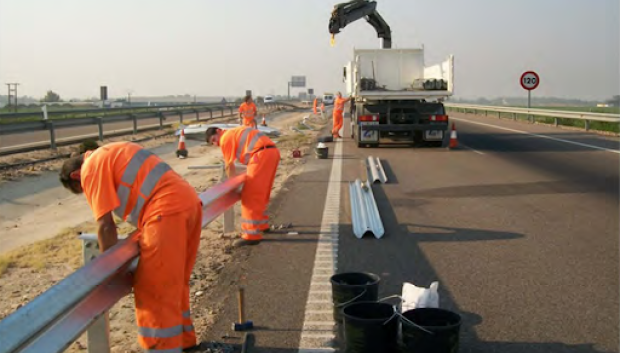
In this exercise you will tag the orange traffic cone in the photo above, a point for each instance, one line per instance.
(181, 150)
(264, 122)
(453, 139)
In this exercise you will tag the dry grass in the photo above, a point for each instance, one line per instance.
(65, 248)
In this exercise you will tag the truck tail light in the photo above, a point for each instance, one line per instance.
(439, 118)
(368, 118)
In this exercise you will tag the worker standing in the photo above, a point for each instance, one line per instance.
(137, 186)
(254, 149)
(338, 114)
(314, 106)
(247, 112)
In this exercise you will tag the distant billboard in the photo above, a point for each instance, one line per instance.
(310, 91)
(103, 93)
(298, 81)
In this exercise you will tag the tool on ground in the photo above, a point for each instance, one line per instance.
(453, 139)
(181, 149)
(242, 325)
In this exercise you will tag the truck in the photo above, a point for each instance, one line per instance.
(395, 96)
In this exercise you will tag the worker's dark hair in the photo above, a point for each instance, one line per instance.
(210, 132)
(247, 98)
(69, 166)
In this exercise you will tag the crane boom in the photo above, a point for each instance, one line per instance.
(351, 11)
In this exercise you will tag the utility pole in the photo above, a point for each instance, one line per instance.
(13, 93)
(289, 90)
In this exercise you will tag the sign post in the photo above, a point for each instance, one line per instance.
(529, 81)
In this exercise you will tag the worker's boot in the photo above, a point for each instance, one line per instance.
(244, 242)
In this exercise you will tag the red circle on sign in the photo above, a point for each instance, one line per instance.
(529, 80)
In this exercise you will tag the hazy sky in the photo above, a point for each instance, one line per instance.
(224, 47)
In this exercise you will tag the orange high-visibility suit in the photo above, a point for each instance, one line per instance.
(138, 186)
(248, 113)
(260, 154)
(314, 106)
(337, 115)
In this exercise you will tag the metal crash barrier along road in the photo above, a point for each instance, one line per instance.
(57, 317)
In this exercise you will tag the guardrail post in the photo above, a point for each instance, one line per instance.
(181, 117)
(210, 113)
(587, 125)
(161, 120)
(100, 126)
(50, 124)
(197, 115)
(98, 334)
(223, 112)
(135, 124)
(229, 214)
(555, 122)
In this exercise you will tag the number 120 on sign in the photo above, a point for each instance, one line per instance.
(529, 80)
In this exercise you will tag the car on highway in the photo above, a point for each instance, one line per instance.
(268, 99)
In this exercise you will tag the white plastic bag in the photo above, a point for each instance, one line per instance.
(419, 297)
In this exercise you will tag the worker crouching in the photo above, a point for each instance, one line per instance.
(254, 149)
(137, 186)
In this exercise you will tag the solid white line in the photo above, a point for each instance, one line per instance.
(541, 136)
(469, 148)
(329, 227)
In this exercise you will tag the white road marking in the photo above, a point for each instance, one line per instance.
(469, 148)
(541, 136)
(326, 253)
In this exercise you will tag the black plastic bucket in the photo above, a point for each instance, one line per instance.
(321, 153)
(441, 335)
(370, 327)
(353, 287)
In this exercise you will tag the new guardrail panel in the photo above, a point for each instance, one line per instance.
(54, 319)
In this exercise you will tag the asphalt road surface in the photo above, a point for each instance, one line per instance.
(519, 226)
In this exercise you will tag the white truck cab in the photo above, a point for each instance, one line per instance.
(328, 99)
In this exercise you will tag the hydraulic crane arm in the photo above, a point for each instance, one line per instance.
(351, 11)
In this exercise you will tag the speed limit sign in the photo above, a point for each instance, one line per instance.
(529, 80)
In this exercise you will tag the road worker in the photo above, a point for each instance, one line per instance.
(254, 149)
(314, 106)
(247, 112)
(337, 115)
(137, 186)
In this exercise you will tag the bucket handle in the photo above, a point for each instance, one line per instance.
(396, 313)
(352, 300)
(390, 297)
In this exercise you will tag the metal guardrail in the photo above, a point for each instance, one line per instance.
(56, 318)
(364, 211)
(531, 113)
(52, 125)
(105, 111)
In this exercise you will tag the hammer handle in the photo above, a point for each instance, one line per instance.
(241, 301)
